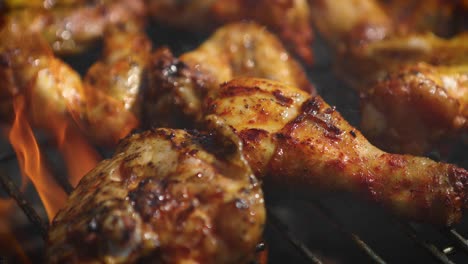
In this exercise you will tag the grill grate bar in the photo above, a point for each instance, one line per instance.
(327, 215)
(460, 241)
(13, 192)
(282, 228)
(431, 248)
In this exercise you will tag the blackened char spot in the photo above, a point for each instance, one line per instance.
(148, 197)
(311, 109)
(282, 100)
(312, 105)
(216, 144)
(252, 135)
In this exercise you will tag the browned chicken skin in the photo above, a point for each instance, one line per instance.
(167, 196)
(28, 67)
(279, 123)
(289, 18)
(113, 84)
(417, 107)
(105, 105)
(404, 73)
(239, 49)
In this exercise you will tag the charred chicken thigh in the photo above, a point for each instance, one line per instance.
(290, 19)
(166, 196)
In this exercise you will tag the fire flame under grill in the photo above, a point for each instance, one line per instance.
(305, 239)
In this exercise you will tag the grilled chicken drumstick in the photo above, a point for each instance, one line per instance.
(239, 49)
(298, 139)
(166, 196)
(289, 18)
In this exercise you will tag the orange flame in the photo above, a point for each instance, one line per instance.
(27, 150)
(79, 156)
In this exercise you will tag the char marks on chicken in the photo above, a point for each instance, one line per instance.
(166, 196)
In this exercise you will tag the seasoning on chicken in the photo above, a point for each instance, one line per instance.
(72, 29)
(299, 140)
(239, 49)
(289, 18)
(166, 196)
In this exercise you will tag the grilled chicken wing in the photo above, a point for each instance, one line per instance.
(289, 18)
(167, 196)
(72, 29)
(378, 59)
(104, 105)
(413, 84)
(240, 49)
(417, 107)
(298, 139)
(416, 86)
(28, 67)
(112, 85)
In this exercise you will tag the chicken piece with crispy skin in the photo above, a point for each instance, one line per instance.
(72, 29)
(297, 139)
(416, 108)
(413, 82)
(166, 196)
(415, 91)
(52, 89)
(289, 18)
(105, 105)
(374, 61)
(113, 84)
(239, 49)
